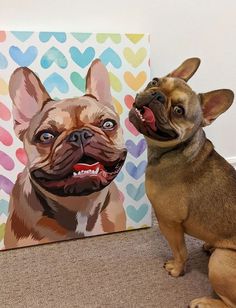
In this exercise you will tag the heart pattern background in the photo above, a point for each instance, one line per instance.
(61, 61)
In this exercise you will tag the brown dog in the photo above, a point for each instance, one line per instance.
(75, 149)
(191, 187)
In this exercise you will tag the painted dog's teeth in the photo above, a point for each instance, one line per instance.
(89, 171)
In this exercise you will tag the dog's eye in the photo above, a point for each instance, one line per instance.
(179, 110)
(108, 124)
(45, 137)
(154, 82)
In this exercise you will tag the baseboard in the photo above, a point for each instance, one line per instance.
(232, 161)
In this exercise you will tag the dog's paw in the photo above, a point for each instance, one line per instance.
(174, 268)
(206, 302)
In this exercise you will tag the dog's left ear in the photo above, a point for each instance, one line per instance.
(186, 70)
(98, 83)
(214, 103)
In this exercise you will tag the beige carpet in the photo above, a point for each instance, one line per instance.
(118, 270)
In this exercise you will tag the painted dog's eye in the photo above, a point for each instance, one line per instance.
(179, 110)
(109, 124)
(45, 137)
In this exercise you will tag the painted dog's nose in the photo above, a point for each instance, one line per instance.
(80, 137)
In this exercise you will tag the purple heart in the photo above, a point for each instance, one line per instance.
(136, 171)
(5, 184)
(136, 150)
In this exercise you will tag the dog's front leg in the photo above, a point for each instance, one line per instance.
(174, 234)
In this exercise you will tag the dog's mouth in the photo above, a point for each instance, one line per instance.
(150, 124)
(85, 177)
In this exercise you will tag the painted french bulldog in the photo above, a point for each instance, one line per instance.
(191, 187)
(75, 150)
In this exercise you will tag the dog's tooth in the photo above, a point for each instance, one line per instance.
(74, 173)
(96, 171)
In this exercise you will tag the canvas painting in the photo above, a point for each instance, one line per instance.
(71, 163)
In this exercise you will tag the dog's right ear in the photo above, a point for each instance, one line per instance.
(28, 96)
(186, 70)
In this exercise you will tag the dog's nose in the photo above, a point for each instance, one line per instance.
(144, 99)
(80, 137)
(160, 97)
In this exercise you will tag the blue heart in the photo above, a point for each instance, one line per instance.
(136, 193)
(56, 81)
(53, 55)
(23, 58)
(3, 207)
(22, 35)
(136, 150)
(136, 171)
(137, 214)
(81, 37)
(120, 177)
(59, 36)
(3, 61)
(110, 56)
(82, 59)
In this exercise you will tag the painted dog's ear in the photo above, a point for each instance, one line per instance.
(28, 96)
(98, 83)
(214, 103)
(187, 69)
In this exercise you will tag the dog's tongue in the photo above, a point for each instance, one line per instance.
(149, 117)
(85, 167)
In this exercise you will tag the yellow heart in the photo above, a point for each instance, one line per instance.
(130, 228)
(135, 58)
(2, 231)
(3, 87)
(133, 82)
(118, 107)
(115, 82)
(135, 38)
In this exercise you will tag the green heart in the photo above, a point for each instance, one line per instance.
(2, 231)
(115, 82)
(102, 37)
(81, 37)
(78, 81)
(134, 38)
(135, 58)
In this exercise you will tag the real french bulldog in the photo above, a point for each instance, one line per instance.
(191, 187)
(75, 149)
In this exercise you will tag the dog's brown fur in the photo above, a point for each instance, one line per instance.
(48, 203)
(191, 187)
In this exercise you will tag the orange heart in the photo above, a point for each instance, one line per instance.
(2, 36)
(133, 82)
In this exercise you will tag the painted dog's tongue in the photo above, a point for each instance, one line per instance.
(149, 117)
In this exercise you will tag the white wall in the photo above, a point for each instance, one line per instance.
(178, 28)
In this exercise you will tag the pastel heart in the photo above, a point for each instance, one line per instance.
(22, 35)
(5, 113)
(2, 231)
(56, 81)
(81, 37)
(133, 82)
(4, 207)
(137, 214)
(102, 37)
(134, 38)
(23, 58)
(78, 81)
(120, 177)
(115, 82)
(5, 184)
(6, 161)
(59, 36)
(3, 87)
(3, 61)
(136, 193)
(82, 58)
(21, 156)
(110, 56)
(136, 150)
(118, 106)
(122, 197)
(135, 58)
(129, 100)
(136, 171)
(5, 137)
(53, 55)
(2, 36)
(130, 127)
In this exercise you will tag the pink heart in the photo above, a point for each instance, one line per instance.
(6, 161)
(21, 156)
(130, 127)
(5, 113)
(129, 100)
(5, 137)
(122, 197)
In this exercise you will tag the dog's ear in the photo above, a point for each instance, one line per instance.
(214, 103)
(98, 84)
(186, 70)
(28, 96)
